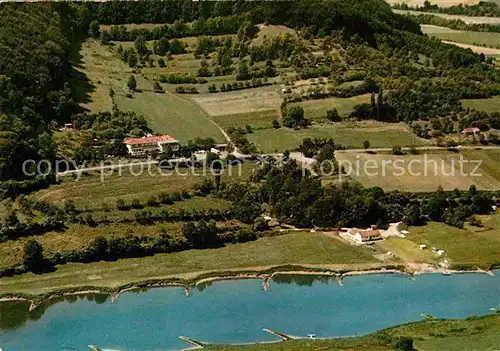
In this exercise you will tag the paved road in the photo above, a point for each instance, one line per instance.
(298, 156)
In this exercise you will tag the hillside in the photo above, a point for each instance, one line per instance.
(253, 86)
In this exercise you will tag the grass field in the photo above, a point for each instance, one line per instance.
(238, 102)
(171, 114)
(297, 248)
(407, 250)
(413, 173)
(469, 334)
(487, 105)
(92, 190)
(487, 39)
(350, 135)
(479, 247)
(466, 19)
(261, 119)
(316, 109)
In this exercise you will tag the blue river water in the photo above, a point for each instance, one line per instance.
(236, 311)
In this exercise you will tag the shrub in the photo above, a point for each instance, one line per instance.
(136, 204)
(157, 87)
(396, 150)
(152, 201)
(132, 83)
(120, 205)
(333, 115)
(165, 199)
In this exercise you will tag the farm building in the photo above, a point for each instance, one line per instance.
(363, 235)
(468, 131)
(150, 144)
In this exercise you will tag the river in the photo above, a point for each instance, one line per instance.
(236, 311)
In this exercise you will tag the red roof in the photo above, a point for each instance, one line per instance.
(369, 233)
(471, 130)
(151, 139)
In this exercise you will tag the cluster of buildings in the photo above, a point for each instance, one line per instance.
(361, 235)
(137, 147)
(157, 144)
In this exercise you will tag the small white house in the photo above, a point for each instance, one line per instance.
(150, 144)
(363, 235)
(200, 155)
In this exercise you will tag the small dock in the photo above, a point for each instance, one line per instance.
(196, 343)
(427, 316)
(282, 336)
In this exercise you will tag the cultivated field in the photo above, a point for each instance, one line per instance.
(487, 105)
(466, 19)
(261, 119)
(316, 109)
(92, 191)
(239, 102)
(297, 248)
(487, 39)
(441, 168)
(476, 49)
(350, 135)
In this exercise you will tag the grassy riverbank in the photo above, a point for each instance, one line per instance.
(480, 333)
(305, 249)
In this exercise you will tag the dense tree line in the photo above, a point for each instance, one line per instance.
(364, 17)
(178, 29)
(298, 198)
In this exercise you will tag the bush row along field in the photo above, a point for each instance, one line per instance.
(316, 109)
(93, 190)
(99, 196)
(297, 248)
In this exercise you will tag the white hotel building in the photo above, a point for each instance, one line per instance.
(151, 144)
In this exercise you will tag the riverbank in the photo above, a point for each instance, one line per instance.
(295, 306)
(265, 274)
(475, 333)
